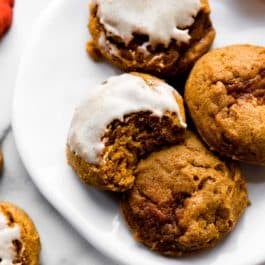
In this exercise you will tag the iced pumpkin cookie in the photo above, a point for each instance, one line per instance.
(130, 116)
(184, 199)
(225, 94)
(19, 240)
(164, 38)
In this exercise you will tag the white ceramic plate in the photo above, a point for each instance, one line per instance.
(55, 75)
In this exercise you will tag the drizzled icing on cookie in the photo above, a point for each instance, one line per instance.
(162, 21)
(7, 235)
(115, 98)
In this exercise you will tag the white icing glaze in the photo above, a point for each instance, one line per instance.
(7, 236)
(118, 96)
(160, 20)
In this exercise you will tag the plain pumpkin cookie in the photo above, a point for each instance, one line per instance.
(128, 117)
(225, 94)
(184, 199)
(19, 239)
(162, 38)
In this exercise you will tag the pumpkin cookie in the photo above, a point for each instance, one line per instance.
(184, 199)
(130, 116)
(161, 38)
(19, 240)
(225, 94)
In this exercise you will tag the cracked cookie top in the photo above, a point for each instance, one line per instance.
(225, 94)
(184, 198)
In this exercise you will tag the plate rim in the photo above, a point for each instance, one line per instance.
(53, 199)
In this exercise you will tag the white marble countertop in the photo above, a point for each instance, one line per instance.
(60, 243)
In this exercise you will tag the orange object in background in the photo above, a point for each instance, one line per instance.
(6, 14)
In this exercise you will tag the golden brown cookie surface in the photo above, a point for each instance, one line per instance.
(21, 244)
(128, 139)
(184, 199)
(159, 60)
(225, 94)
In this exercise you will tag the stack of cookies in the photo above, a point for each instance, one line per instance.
(182, 190)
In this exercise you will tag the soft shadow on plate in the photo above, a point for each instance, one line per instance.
(104, 199)
(107, 202)
(254, 174)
